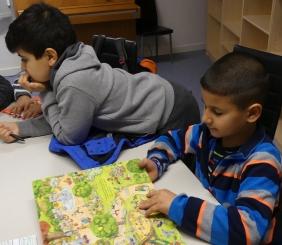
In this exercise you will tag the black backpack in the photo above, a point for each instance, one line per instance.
(117, 52)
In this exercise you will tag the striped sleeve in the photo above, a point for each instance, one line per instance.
(19, 91)
(6, 93)
(249, 219)
(167, 149)
(170, 147)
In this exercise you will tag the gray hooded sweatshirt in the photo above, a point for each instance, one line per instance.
(85, 93)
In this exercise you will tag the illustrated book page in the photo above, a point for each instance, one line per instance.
(100, 206)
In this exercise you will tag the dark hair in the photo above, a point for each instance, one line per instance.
(40, 26)
(240, 76)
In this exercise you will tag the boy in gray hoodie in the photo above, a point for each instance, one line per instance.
(78, 92)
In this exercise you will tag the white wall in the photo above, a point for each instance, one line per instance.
(186, 17)
(188, 20)
(9, 63)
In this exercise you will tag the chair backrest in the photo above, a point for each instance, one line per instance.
(149, 17)
(272, 106)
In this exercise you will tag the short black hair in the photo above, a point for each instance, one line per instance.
(240, 76)
(40, 26)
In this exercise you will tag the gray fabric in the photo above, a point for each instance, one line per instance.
(185, 110)
(86, 93)
(34, 127)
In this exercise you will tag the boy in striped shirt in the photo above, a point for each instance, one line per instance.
(235, 160)
(23, 105)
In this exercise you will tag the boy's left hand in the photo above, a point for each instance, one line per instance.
(20, 105)
(25, 108)
(158, 201)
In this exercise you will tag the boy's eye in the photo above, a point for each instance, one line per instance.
(217, 113)
(23, 60)
(213, 110)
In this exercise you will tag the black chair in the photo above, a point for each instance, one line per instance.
(147, 25)
(272, 108)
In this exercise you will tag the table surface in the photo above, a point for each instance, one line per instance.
(23, 163)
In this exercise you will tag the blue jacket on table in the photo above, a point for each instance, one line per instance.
(246, 183)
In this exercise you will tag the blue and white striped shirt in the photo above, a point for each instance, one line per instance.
(245, 182)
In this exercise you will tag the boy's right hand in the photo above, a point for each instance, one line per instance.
(32, 85)
(150, 167)
(6, 128)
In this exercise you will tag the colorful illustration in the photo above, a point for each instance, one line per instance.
(100, 206)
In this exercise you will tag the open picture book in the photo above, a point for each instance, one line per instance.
(100, 206)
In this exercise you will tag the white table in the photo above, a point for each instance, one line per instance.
(23, 163)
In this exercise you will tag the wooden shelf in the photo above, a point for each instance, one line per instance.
(258, 7)
(214, 9)
(234, 27)
(278, 52)
(252, 23)
(262, 22)
(275, 39)
(228, 39)
(215, 19)
(253, 37)
(213, 38)
(228, 46)
(232, 15)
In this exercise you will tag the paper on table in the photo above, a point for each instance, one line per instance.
(27, 240)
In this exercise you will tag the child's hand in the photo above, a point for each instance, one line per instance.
(33, 86)
(6, 128)
(25, 108)
(33, 110)
(158, 201)
(20, 105)
(150, 167)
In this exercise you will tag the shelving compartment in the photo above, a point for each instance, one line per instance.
(258, 14)
(214, 9)
(232, 16)
(213, 38)
(253, 37)
(228, 40)
(275, 39)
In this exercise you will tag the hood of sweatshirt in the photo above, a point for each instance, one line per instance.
(76, 57)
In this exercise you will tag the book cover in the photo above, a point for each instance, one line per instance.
(100, 206)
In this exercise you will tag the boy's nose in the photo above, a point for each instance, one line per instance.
(206, 118)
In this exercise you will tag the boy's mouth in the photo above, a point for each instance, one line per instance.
(29, 78)
(212, 129)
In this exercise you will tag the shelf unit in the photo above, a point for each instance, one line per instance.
(252, 23)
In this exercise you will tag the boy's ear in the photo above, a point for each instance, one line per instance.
(254, 112)
(52, 56)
